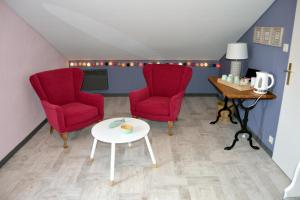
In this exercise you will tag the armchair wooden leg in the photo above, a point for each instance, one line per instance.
(170, 127)
(51, 129)
(135, 117)
(64, 136)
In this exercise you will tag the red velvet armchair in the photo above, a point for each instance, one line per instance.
(66, 107)
(161, 99)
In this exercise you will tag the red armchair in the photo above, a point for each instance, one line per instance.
(66, 107)
(161, 99)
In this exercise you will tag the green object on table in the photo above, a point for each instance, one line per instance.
(116, 123)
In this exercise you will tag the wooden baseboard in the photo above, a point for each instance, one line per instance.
(22, 143)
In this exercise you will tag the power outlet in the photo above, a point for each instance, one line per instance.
(285, 48)
(271, 139)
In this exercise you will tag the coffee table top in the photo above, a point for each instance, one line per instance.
(102, 132)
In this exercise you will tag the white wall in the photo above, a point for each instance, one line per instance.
(22, 53)
(141, 29)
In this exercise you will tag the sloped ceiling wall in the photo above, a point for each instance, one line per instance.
(141, 29)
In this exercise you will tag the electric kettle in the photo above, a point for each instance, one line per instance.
(262, 85)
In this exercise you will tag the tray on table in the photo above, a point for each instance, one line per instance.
(235, 86)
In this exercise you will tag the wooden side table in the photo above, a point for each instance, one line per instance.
(238, 97)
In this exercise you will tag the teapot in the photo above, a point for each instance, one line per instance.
(262, 85)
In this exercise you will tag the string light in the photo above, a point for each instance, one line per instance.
(141, 64)
(133, 63)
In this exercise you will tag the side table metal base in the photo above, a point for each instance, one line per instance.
(225, 108)
(244, 124)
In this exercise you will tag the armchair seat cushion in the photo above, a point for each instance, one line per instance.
(77, 112)
(154, 105)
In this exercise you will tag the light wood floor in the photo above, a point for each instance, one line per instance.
(192, 163)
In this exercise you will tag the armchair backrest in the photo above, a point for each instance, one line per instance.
(166, 79)
(59, 86)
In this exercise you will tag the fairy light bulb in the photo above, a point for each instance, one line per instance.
(71, 64)
(205, 64)
(88, 64)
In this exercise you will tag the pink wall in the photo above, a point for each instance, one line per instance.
(22, 53)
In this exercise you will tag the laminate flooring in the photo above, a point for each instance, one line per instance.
(191, 164)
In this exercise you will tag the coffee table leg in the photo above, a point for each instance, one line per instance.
(93, 149)
(112, 163)
(150, 151)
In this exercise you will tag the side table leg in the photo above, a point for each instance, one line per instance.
(93, 149)
(234, 141)
(250, 141)
(225, 107)
(112, 163)
(150, 151)
(244, 126)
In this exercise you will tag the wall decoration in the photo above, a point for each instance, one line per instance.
(257, 35)
(141, 63)
(276, 37)
(268, 36)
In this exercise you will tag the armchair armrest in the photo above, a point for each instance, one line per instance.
(96, 100)
(54, 115)
(175, 104)
(137, 96)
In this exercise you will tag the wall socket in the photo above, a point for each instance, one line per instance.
(285, 48)
(271, 139)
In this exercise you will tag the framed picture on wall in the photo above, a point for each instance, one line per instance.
(276, 36)
(266, 35)
(271, 36)
(257, 35)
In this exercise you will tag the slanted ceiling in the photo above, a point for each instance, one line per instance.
(141, 29)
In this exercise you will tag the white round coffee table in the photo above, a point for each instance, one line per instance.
(102, 132)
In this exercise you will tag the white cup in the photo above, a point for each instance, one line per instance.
(224, 77)
(236, 80)
(230, 79)
(252, 82)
